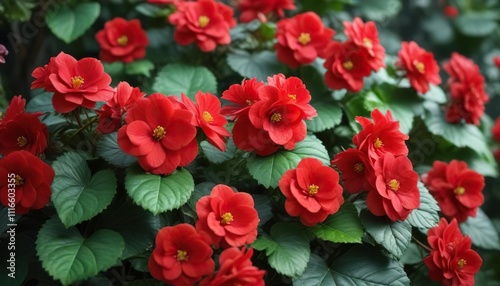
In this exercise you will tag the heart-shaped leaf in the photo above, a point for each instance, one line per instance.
(69, 257)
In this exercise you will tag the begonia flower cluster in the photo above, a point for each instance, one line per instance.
(379, 165)
(268, 116)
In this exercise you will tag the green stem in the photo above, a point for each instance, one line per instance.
(82, 127)
(421, 244)
(77, 117)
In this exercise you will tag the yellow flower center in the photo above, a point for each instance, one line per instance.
(367, 43)
(393, 185)
(293, 97)
(304, 38)
(348, 65)
(182, 255)
(207, 116)
(158, 133)
(461, 263)
(248, 102)
(77, 81)
(459, 191)
(226, 218)
(313, 189)
(19, 181)
(276, 117)
(122, 41)
(358, 167)
(22, 141)
(378, 143)
(203, 21)
(420, 67)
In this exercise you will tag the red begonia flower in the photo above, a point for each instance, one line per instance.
(207, 115)
(302, 39)
(420, 66)
(41, 75)
(395, 191)
(241, 96)
(227, 217)
(467, 88)
(22, 130)
(205, 22)
(365, 37)
(278, 114)
(181, 256)
(249, 138)
(252, 9)
(74, 83)
(346, 67)
(159, 134)
(122, 41)
(451, 11)
(312, 191)
(496, 61)
(236, 268)
(380, 136)
(296, 90)
(457, 189)
(356, 170)
(111, 113)
(31, 179)
(451, 261)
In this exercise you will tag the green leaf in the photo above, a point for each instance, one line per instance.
(15, 10)
(78, 196)
(361, 265)
(426, 215)
(214, 155)
(142, 67)
(477, 24)
(259, 64)
(312, 76)
(341, 227)
(380, 10)
(264, 208)
(114, 69)
(317, 273)
(151, 10)
(268, 170)
(109, 150)
(435, 94)
(403, 103)
(287, 248)
(482, 231)
(157, 193)
(138, 235)
(69, 257)
(392, 236)
(329, 116)
(174, 79)
(355, 106)
(200, 190)
(460, 135)
(414, 254)
(69, 22)
(41, 102)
